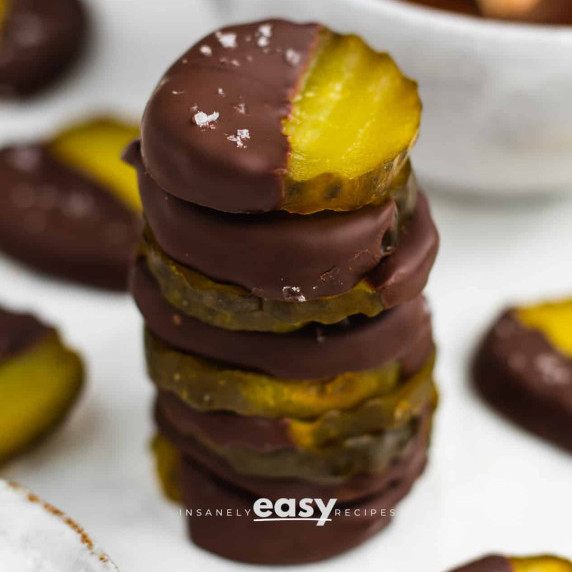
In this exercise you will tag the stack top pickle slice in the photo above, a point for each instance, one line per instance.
(275, 115)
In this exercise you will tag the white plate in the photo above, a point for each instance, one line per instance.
(489, 486)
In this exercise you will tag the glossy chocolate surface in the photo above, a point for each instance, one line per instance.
(277, 256)
(18, 332)
(356, 344)
(62, 223)
(212, 131)
(412, 459)
(241, 538)
(522, 375)
(403, 275)
(38, 40)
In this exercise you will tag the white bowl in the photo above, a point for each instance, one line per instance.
(497, 96)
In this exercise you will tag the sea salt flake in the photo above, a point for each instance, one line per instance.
(203, 120)
(226, 40)
(293, 293)
(220, 91)
(206, 50)
(265, 30)
(263, 41)
(241, 136)
(292, 57)
(264, 34)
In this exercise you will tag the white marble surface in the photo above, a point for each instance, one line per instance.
(489, 486)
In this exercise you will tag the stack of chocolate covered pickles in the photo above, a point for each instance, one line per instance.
(280, 279)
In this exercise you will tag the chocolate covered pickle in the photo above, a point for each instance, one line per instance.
(278, 256)
(370, 453)
(67, 205)
(38, 41)
(357, 344)
(246, 121)
(495, 563)
(379, 413)
(208, 385)
(397, 279)
(412, 458)
(523, 368)
(282, 542)
(40, 379)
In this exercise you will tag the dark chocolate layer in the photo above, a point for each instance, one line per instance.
(412, 459)
(38, 40)
(58, 221)
(520, 373)
(18, 332)
(487, 564)
(264, 434)
(212, 131)
(241, 538)
(356, 344)
(277, 256)
(224, 428)
(404, 274)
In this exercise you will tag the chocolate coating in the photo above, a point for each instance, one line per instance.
(404, 274)
(263, 434)
(244, 75)
(356, 344)
(240, 538)
(38, 41)
(520, 373)
(60, 222)
(18, 332)
(487, 564)
(347, 489)
(277, 256)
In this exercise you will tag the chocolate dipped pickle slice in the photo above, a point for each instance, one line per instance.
(68, 206)
(368, 453)
(495, 563)
(94, 148)
(523, 368)
(264, 434)
(279, 542)
(38, 41)
(411, 459)
(207, 385)
(233, 307)
(356, 344)
(277, 115)
(40, 379)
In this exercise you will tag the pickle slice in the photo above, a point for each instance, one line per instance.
(94, 148)
(235, 308)
(167, 464)
(381, 413)
(541, 564)
(351, 128)
(553, 319)
(37, 388)
(366, 454)
(209, 386)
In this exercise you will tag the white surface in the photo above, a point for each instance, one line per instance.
(35, 537)
(489, 486)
